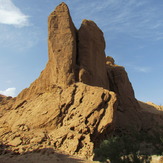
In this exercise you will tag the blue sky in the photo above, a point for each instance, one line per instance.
(133, 31)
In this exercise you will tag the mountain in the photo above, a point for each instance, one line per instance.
(79, 99)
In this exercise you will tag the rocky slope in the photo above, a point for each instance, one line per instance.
(79, 99)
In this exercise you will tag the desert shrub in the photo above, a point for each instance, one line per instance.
(134, 147)
(109, 149)
(118, 149)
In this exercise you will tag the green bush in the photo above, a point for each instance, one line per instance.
(110, 149)
(134, 147)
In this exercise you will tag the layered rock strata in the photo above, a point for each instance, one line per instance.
(62, 119)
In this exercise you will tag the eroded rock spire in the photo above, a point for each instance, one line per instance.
(91, 55)
(61, 46)
(60, 69)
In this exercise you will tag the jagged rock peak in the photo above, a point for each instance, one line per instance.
(62, 45)
(62, 7)
(74, 55)
(60, 69)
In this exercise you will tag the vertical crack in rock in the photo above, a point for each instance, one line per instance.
(65, 107)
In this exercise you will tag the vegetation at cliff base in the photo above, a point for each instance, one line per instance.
(133, 148)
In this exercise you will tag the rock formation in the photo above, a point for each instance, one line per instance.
(62, 48)
(79, 98)
(60, 69)
(61, 107)
(128, 110)
(91, 55)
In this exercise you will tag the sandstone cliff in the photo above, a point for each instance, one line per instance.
(64, 108)
(128, 110)
(79, 98)
(91, 55)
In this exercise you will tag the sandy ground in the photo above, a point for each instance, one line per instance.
(54, 158)
(42, 158)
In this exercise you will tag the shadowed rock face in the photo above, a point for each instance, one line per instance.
(128, 110)
(91, 55)
(78, 99)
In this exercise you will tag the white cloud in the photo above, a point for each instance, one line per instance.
(11, 15)
(139, 68)
(142, 69)
(9, 92)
